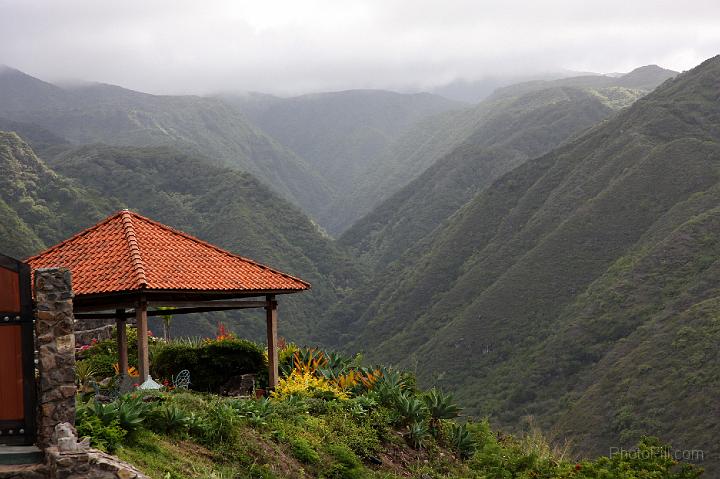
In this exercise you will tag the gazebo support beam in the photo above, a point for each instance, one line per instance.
(272, 341)
(141, 320)
(206, 308)
(121, 321)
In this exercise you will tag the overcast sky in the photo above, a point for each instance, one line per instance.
(205, 46)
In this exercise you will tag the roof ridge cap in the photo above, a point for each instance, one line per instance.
(135, 255)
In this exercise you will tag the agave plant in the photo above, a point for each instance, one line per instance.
(461, 440)
(107, 413)
(171, 419)
(417, 434)
(131, 412)
(410, 409)
(309, 360)
(85, 372)
(338, 363)
(389, 387)
(440, 406)
(369, 377)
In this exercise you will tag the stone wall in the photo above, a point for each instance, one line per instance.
(65, 457)
(85, 336)
(56, 351)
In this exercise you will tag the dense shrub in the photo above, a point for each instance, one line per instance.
(218, 424)
(211, 363)
(170, 420)
(102, 356)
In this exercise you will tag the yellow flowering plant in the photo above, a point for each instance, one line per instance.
(305, 383)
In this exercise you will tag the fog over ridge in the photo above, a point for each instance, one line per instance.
(285, 47)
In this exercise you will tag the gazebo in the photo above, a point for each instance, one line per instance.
(128, 264)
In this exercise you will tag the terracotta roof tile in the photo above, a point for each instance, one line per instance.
(128, 252)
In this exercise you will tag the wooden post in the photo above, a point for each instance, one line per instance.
(141, 320)
(272, 340)
(121, 323)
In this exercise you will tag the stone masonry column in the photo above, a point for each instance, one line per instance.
(54, 327)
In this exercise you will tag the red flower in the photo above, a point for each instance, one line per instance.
(578, 467)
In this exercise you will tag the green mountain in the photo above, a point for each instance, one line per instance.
(38, 207)
(340, 134)
(499, 136)
(98, 113)
(41, 205)
(580, 288)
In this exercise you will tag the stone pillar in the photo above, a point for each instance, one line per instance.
(54, 329)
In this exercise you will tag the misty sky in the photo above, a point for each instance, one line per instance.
(294, 46)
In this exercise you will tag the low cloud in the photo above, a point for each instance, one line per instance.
(286, 47)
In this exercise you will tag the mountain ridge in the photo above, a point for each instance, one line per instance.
(100, 113)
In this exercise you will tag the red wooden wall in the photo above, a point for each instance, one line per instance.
(9, 291)
(11, 374)
(11, 371)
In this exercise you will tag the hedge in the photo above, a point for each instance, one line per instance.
(211, 364)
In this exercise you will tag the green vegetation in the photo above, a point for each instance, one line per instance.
(644, 78)
(37, 206)
(230, 209)
(383, 428)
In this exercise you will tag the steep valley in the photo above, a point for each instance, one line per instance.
(577, 288)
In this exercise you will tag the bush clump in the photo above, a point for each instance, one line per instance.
(211, 363)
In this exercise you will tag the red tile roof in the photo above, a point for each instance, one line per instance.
(128, 252)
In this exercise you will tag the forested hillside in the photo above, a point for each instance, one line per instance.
(204, 126)
(38, 207)
(41, 206)
(505, 133)
(579, 288)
